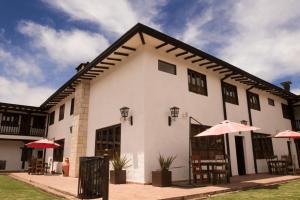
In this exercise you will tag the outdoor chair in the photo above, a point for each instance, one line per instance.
(31, 166)
(39, 167)
(220, 173)
(291, 168)
(198, 172)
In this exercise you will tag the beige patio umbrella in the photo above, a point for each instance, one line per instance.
(226, 127)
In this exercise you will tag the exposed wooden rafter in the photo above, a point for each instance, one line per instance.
(172, 49)
(115, 59)
(128, 48)
(142, 38)
(212, 66)
(198, 60)
(107, 63)
(189, 57)
(121, 53)
(101, 67)
(181, 54)
(161, 45)
(205, 63)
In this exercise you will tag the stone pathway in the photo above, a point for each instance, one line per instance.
(67, 187)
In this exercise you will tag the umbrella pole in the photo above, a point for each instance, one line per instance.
(289, 149)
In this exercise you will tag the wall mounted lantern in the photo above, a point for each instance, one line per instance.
(244, 122)
(124, 114)
(174, 114)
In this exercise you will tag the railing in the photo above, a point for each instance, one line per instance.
(297, 124)
(24, 131)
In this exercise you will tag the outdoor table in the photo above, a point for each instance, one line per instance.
(278, 166)
(211, 166)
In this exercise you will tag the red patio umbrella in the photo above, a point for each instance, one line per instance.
(226, 127)
(42, 144)
(287, 134)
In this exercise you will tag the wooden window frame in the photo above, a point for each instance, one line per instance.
(72, 106)
(58, 152)
(10, 119)
(198, 88)
(52, 118)
(227, 89)
(108, 140)
(262, 145)
(252, 105)
(169, 64)
(271, 102)
(285, 111)
(61, 112)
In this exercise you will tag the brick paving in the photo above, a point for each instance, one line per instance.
(67, 187)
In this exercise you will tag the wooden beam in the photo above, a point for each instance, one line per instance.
(90, 73)
(218, 69)
(212, 66)
(161, 45)
(225, 71)
(172, 49)
(180, 54)
(238, 76)
(205, 63)
(128, 48)
(121, 53)
(189, 57)
(241, 79)
(84, 78)
(142, 38)
(200, 59)
(96, 70)
(107, 63)
(115, 59)
(101, 67)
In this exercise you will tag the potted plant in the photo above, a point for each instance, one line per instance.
(163, 177)
(118, 174)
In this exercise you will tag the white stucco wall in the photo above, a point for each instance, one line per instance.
(121, 86)
(11, 152)
(61, 130)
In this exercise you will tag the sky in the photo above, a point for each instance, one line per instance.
(42, 41)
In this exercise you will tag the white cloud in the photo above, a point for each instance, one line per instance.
(19, 92)
(261, 37)
(22, 66)
(296, 91)
(112, 16)
(64, 47)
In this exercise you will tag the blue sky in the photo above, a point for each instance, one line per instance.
(42, 41)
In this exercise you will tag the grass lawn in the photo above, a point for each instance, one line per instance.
(278, 192)
(13, 189)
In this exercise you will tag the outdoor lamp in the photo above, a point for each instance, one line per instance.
(174, 114)
(124, 114)
(244, 122)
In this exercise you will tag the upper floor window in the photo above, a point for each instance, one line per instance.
(230, 93)
(197, 82)
(52, 118)
(61, 112)
(166, 67)
(285, 111)
(72, 106)
(253, 101)
(10, 119)
(271, 102)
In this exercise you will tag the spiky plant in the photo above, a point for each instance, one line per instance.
(119, 162)
(166, 162)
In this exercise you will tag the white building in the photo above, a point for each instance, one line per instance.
(150, 72)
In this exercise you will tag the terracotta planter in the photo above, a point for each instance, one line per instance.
(162, 178)
(118, 177)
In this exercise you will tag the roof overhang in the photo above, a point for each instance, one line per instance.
(140, 35)
(20, 108)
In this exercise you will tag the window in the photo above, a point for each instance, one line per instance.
(166, 67)
(61, 112)
(58, 153)
(108, 140)
(10, 119)
(197, 82)
(38, 122)
(52, 118)
(230, 93)
(253, 100)
(2, 164)
(207, 147)
(262, 146)
(72, 106)
(271, 102)
(285, 111)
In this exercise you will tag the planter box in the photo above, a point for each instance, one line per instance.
(118, 177)
(162, 178)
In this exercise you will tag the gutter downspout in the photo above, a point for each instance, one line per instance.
(251, 123)
(225, 118)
